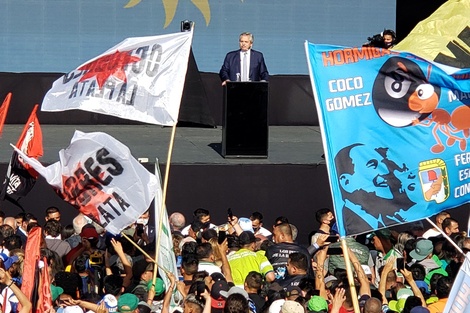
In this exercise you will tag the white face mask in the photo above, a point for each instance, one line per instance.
(143, 221)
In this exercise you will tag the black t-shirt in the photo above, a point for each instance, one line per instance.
(257, 300)
(291, 281)
(278, 255)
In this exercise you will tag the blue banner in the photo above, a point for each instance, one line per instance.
(395, 131)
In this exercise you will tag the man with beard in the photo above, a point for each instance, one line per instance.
(374, 194)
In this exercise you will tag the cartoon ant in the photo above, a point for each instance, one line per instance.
(403, 97)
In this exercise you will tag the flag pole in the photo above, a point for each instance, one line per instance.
(352, 286)
(162, 207)
(445, 235)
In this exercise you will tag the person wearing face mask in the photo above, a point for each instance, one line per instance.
(144, 233)
(257, 224)
(326, 219)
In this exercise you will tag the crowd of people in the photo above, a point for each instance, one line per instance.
(236, 266)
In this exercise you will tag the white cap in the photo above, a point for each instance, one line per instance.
(245, 224)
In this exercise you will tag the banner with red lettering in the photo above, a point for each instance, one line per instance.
(98, 175)
(141, 79)
(395, 131)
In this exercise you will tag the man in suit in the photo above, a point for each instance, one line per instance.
(244, 64)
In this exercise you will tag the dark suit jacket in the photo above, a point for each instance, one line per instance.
(231, 66)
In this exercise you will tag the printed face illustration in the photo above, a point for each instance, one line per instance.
(377, 188)
(369, 173)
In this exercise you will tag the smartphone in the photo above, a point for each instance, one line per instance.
(332, 239)
(200, 288)
(400, 264)
(139, 229)
(222, 236)
(335, 251)
(230, 214)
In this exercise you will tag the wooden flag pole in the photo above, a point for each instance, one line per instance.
(352, 286)
(162, 207)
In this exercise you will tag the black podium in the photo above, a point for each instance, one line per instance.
(245, 125)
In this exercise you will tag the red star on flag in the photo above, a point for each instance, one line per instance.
(109, 65)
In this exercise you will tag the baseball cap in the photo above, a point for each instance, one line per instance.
(245, 224)
(292, 307)
(423, 249)
(381, 233)
(246, 237)
(127, 302)
(73, 309)
(110, 302)
(234, 290)
(216, 276)
(8, 260)
(317, 304)
(397, 305)
(144, 307)
(159, 286)
(293, 291)
(89, 232)
(419, 309)
(422, 284)
(217, 287)
(276, 306)
(56, 291)
(362, 300)
(329, 281)
(404, 293)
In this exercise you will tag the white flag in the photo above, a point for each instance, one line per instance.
(166, 256)
(140, 79)
(459, 297)
(98, 175)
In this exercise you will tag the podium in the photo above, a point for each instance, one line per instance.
(245, 123)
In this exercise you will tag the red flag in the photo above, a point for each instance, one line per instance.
(4, 111)
(20, 177)
(31, 257)
(30, 141)
(45, 297)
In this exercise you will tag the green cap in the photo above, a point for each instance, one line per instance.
(317, 304)
(56, 292)
(159, 286)
(127, 302)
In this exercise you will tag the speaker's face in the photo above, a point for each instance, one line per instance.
(245, 43)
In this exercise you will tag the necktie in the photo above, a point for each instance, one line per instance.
(245, 68)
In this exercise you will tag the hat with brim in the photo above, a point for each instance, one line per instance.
(292, 307)
(397, 306)
(423, 249)
(127, 302)
(56, 291)
(317, 304)
(234, 290)
(218, 287)
(245, 224)
(89, 232)
(159, 286)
